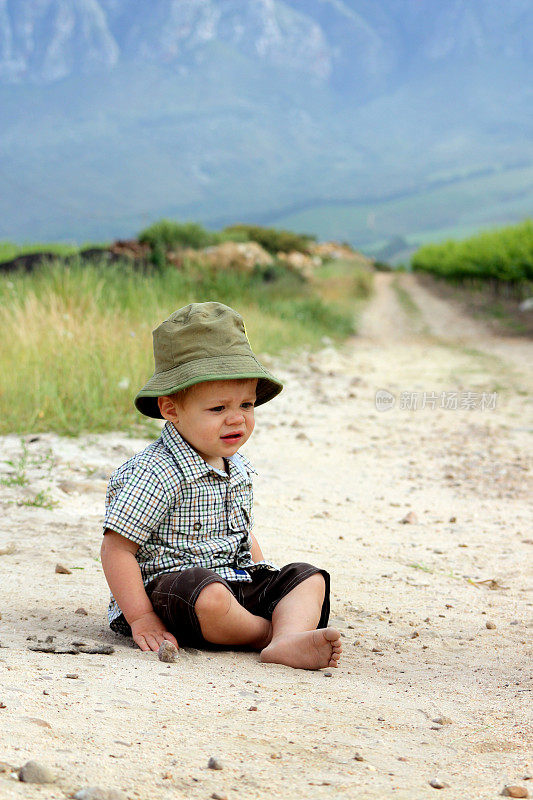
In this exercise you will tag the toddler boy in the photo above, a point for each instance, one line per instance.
(178, 552)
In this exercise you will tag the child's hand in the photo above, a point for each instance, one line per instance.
(149, 631)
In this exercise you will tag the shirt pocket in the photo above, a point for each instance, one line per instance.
(199, 516)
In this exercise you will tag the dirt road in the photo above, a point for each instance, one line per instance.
(435, 614)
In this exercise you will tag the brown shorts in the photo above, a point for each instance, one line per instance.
(173, 595)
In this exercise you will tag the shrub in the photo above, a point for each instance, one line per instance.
(170, 235)
(273, 239)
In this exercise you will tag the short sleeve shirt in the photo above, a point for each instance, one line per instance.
(183, 512)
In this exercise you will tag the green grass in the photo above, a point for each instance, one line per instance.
(80, 343)
(41, 500)
(409, 305)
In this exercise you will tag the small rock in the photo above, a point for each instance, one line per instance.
(358, 757)
(437, 784)
(410, 519)
(61, 570)
(52, 648)
(68, 486)
(72, 675)
(35, 772)
(328, 674)
(41, 722)
(452, 519)
(90, 793)
(219, 796)
(515, 791)
(81, 611)
(168, 652)
(215, 763)
(442, 720)
(95, 793)
(415, 635)
(2, 705)
(252, 708)
(490, 625)
(98, 650)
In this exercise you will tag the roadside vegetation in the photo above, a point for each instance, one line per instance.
(501, 258)
(79, 332)
(488, 275)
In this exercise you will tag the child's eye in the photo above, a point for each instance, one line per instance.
(247, 405)
(217, 408)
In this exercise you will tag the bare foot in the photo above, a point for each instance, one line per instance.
(305, 650)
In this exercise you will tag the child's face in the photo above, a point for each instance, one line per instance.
(214, 417)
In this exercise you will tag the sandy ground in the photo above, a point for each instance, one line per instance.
(412, 600)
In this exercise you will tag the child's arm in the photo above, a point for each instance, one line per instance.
(123, 575)
(255, 550)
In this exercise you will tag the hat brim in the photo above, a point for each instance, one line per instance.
(215, 368)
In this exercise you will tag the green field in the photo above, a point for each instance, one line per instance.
(503, 257)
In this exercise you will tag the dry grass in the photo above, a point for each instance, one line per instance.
(79, 343)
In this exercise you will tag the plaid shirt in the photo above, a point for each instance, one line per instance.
(182, 512)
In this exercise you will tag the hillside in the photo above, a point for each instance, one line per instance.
(115, 114)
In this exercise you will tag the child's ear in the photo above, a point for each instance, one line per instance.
(167, 408)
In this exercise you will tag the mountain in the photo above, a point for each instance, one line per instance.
(344, 115)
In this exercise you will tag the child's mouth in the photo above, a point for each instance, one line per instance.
(232, 437)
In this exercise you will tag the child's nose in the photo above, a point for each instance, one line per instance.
(235, 417)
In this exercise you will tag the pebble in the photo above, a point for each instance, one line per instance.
(437, 784)
(41, 722)
(252, 708)
(98, 649)
(515, 791)
(219, 796)
(490, 625)
(328, 674)
(215, 763)
(442, 720)
(410, 518)
(358, 757)
(61, 570)
(95, 793)
(35, 772)
(81, 611)
(167, 652)
(72, 675)
(51, 648)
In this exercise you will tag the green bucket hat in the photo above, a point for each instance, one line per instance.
(202, 342)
